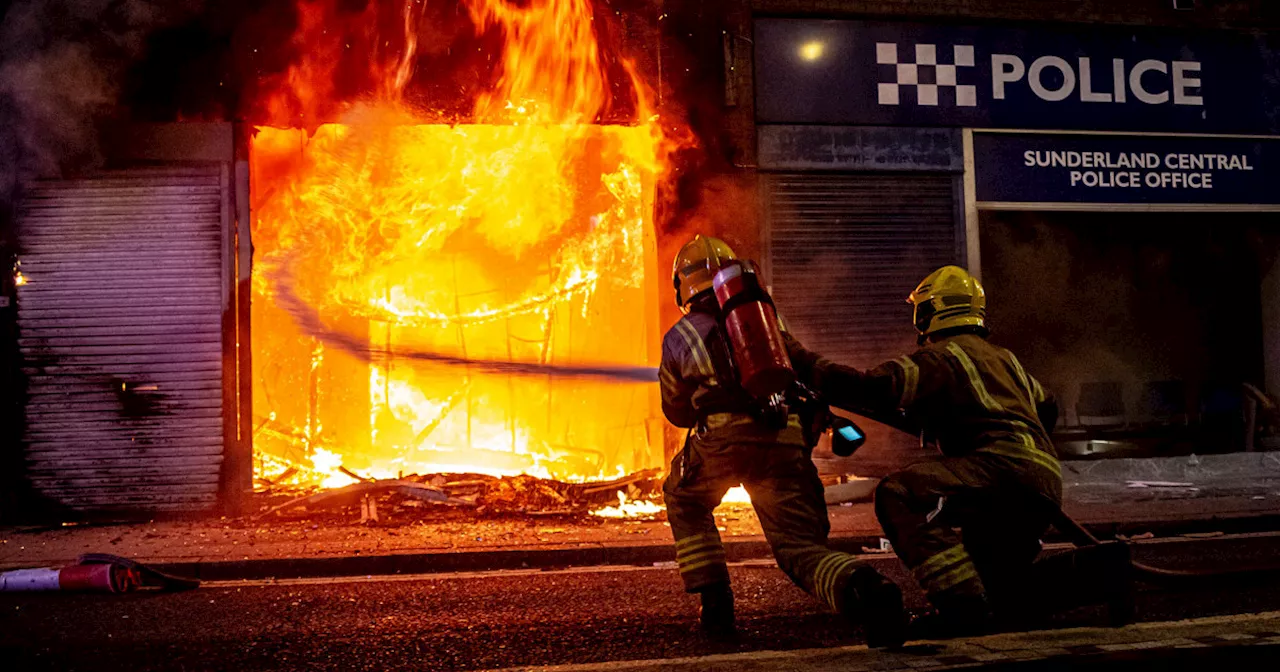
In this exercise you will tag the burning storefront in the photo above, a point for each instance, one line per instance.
(520, 233)
(462, 283)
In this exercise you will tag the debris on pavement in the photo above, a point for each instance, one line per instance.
(885, 547)
(481, 495)
(1160, 484)
(855, 490)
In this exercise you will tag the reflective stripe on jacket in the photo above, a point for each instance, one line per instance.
(967, 393)
(693, 363)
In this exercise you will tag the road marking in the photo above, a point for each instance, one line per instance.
(760, 563)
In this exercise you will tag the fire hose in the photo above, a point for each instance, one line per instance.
(308, 319)
(1081, 537)
(94, 572)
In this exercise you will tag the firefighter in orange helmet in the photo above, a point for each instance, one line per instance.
(999, 476)
(731, 442)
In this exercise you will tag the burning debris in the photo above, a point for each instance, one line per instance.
(486, 495)
(630, 509)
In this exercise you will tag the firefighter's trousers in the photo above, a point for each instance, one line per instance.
(970, 525)
(787, 496)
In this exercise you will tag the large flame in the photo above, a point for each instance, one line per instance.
(525, 235)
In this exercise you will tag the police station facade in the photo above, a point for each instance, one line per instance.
(1116, 188)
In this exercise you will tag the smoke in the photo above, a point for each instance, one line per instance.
(61, 64)
(722, 205)
(1126, 298)
(309, 321)
(1064, 303)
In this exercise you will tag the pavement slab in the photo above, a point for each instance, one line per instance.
(1066, 648)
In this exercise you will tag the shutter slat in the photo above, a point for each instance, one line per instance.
(173, 445)
(846, 249)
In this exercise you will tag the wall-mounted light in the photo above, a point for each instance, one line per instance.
(812, 50)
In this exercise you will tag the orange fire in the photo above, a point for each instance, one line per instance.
(524, 235)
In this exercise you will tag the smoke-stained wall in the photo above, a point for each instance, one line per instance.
(712, 190)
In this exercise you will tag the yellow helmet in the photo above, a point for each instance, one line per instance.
(696, 265)
(948, 298)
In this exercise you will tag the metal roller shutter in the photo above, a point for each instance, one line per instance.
(846, 249)
(121, 333)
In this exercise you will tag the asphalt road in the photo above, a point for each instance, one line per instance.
(458, 622)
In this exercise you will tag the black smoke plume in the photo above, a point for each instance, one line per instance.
(61, 64)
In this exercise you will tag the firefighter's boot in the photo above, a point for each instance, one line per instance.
(1101, 574)
(717, 611)
(875, 603)
(954, 615)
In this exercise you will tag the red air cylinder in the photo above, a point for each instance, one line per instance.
(751, 325)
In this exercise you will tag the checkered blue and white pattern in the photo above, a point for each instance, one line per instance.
(926, 75)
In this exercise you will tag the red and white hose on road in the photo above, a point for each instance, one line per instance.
(101, 578)
(94, 573)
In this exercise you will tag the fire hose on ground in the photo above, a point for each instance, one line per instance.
(1081, 537)
(94, 573)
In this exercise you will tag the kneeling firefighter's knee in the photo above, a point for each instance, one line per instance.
(890, 492)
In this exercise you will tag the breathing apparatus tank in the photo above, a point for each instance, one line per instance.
(751, 328)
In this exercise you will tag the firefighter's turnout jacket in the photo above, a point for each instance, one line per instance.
(999, 476)
(729, 445)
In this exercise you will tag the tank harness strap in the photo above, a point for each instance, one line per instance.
(729, 419)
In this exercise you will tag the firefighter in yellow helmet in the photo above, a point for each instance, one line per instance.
(999, 475)
(733, 440)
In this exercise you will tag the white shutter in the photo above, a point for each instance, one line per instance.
(121, 333)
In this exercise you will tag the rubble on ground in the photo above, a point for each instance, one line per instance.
(443, 496)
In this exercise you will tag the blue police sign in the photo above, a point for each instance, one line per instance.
(1041, 168)
(888, 73)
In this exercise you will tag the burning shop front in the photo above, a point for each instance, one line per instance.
(1114, 188)
(409, 264)
(461, 283)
